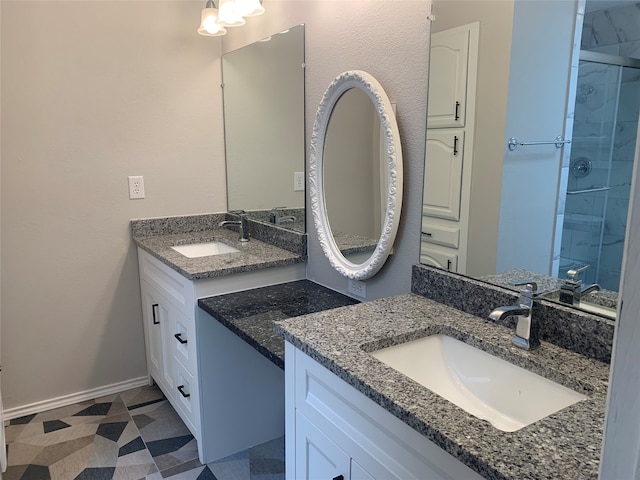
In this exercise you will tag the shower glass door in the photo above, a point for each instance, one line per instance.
(599, 184)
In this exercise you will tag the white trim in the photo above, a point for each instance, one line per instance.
(65, 400)
(391, 137)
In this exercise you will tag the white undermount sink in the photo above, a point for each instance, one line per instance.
(206, 249)
(507, 396)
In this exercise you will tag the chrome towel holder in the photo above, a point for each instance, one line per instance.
(559, 141)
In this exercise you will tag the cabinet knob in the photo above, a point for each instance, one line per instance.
(153, 311)
(179, 338)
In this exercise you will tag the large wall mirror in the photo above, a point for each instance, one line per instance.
(562, 80)
(264, 128)
(355, 175)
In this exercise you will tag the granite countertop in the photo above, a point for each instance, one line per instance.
(549, 286)
(563, 445)
(250, 314)
(252, 255)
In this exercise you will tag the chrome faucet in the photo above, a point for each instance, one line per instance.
(277, 216)
(243, 223)
(527, 330)
(572, 290)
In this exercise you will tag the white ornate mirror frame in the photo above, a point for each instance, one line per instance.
(393, 156)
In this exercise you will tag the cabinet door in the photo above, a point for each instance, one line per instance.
(443, 173)
(317, 457)
(359, 473)
(448, 65)
(156, 323)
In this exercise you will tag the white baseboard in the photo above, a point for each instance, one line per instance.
(65, 400)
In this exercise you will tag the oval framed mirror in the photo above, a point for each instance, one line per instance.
(370, 185)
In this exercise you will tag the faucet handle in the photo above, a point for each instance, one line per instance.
(573, 273)
(529, 286)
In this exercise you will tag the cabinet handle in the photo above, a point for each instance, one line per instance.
(339, 477)
(182, 392)
(457, 111)
(455, 145)
(427, 234)
(179, 338)
(448, 265)
(153, 310)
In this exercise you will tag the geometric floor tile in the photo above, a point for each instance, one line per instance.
(133, 435)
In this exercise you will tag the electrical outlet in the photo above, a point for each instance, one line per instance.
(358, 288)
(298, 181)
(136, 187)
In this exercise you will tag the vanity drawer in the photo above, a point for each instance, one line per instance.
(182, 341)
(185, 396)
(438, 258)
(440, 235)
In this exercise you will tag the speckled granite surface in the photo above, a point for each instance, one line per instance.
(158, 235)
(564, 445)
(350, 244)
(297, 224)
(250, 314)
(549, 286)
(567, 327)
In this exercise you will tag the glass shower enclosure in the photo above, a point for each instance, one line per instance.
(605, 128)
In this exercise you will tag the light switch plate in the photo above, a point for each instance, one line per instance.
(298, 181)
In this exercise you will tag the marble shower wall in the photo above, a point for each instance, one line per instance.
(613, 30)
(605, 126)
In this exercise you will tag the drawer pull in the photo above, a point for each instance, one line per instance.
(182, 392)
(339, 477)
(427, 234)
(153, 311)
(179, 338)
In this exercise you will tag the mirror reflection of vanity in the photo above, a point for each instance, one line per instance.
(537, 209)
(264, 129)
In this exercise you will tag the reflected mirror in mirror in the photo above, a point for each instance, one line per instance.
(355, 175)
(541, 211)
(264, 129)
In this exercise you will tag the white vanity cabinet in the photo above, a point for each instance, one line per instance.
(173, 349)
(335, 432)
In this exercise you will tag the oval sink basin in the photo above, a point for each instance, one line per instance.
(507, 396)
(206, 249)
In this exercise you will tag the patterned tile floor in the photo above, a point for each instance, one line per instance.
(133, 435)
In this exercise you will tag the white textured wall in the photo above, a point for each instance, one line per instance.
(621, 447)
(390, 40)
(93, 92)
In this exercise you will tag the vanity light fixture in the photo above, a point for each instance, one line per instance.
(228, 13)
(209, 25)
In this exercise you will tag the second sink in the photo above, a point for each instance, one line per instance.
(195, 250)
(492, 389)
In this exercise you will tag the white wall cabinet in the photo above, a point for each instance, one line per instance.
(173, 347)
(335, 432)
(449, 147)
(443, 173)
(448, 78)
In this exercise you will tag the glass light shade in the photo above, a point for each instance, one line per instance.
(209, 23)
(228, 14)
(250, 8)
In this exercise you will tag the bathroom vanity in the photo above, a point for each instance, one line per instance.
(171, 285)
(350, 415)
